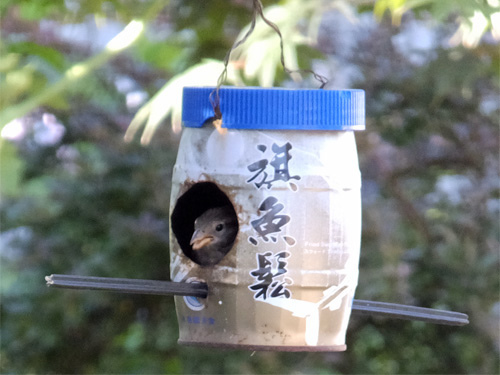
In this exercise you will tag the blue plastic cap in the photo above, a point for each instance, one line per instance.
(277, 108)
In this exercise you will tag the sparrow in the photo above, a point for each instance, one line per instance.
(214, 233)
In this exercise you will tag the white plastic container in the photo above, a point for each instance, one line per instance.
(288, 166)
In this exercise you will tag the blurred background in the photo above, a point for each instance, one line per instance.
(89, 115)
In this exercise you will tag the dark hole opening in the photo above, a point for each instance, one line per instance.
(201, 197)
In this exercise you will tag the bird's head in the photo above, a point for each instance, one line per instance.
(216, 228)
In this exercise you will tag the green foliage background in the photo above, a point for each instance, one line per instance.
(90, 203)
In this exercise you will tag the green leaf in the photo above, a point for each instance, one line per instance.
(133, 338)
(173, 366)
(11, 169)
(35, 10)
(51, 55)
(8, 61)
(165, 54)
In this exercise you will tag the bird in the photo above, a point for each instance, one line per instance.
(214, 234)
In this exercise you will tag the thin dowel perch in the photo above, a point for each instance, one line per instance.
(138, 286)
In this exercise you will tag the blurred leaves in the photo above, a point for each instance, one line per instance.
(70, 78)
(260, 55)
(168, 101)
(474, 18)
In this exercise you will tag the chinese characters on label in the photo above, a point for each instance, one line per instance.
(277, 167)
(270, 223)
(270, 279)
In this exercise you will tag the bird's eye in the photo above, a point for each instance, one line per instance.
(219, 227)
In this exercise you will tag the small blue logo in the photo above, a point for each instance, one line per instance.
(194, 303)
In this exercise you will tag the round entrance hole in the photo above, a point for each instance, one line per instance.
(200, 198)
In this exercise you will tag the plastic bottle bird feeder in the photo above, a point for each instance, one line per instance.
(283, 175)
(287, 167)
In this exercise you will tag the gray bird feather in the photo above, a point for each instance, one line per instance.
(214, 233)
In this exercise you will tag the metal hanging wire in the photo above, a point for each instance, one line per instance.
(258, 10)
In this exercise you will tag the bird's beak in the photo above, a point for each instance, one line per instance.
(200, 239)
